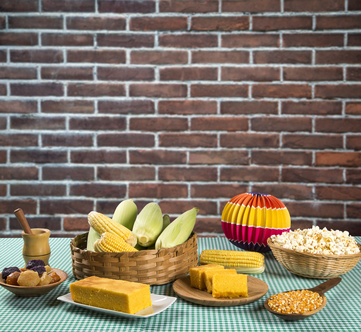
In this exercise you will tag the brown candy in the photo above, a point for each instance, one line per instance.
(54, 277)
(12, 279)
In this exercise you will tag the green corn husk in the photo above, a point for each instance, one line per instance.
(148, 225)
(92, 237)
(126, 213)
(178, 231)
(166, 221)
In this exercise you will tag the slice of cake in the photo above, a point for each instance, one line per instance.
(119, 295)
(209, 273)
(196, 275)
(229, 285)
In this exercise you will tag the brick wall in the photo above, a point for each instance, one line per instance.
(185, 102)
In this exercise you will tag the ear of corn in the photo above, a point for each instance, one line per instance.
(178, 231)
(92, 237)
(102, 223)
(148, 225)
(241, 261)
(126, 213)
(110, 242)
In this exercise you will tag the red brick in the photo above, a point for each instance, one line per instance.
(67, 106)
(220, 57)
(69, 173)
(216, 190)
(188, 40)
(253, 6)
(39, 156)
(219, 23)
(67, 39)
(309, 174)
(188, 6)
(313, 6)
(35, 22)
(281, 91)
(247, 140)
(337, 57)
(268, 23)
(97, 123)
(187, 174)
(16, 73)
(312, 107)
(9, 205)
(134, 106)
(18, 39)
(223, 157)
(126, 140)
(287, 191)
(353, 211)
(315, 209)
(3, 157)
(125, 40)
(313, 40)
(156, 190)
(353, 74)
(19, 173)
(281, 56)
(67, 73)
(338, 22)
(3, 90)
(68, 6)
(66, 206)
(250, 74)
(249, 174)
(353, 176)
(156, 157)
(354, 39)
(159, 57)
(313, 73)
(37, 190)
(188, 74)
(270, 124)
(187, 107)
(97, 190)
(96, 90)
(301, 141)
(354, 5)
(338, 193)
(37, 123)
(18, 106)
(337, 91)
(189, 140)
(96, 56)
(219, 124)
(158, 23)
(126, 6)
(66, 140)
(76, 224)
(262, 157)
(125, 74)
(44, 56)
(219, 90)
(3, 56)
(37, 89)
(249, 107)
(95, 23)
(98, 157)
(2, 22)
(19, 6)
(353, 142)
(250, 40)
(338, 159)
(18, 140)
(179, 206)
(353, 108)
(158, 90)
(338, 125)
(158, 124)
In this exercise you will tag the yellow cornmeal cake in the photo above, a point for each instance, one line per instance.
(196, 274)
(209, 273)
(119, 295)
(229, 285)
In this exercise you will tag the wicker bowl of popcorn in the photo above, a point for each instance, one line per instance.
(316, 253)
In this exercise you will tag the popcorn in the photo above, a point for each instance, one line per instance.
(317, 241)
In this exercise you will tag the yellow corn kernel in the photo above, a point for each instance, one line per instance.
(241, 261)
(102, 223)
(110, 242)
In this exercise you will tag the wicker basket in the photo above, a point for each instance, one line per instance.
(153, 267)
(314, 265)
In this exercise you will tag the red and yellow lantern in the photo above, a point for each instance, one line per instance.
(249, 219)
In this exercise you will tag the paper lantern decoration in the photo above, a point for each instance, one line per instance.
(249, 219)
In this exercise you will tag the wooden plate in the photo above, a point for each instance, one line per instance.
(182, 287)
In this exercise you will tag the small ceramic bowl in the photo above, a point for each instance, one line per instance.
(24, 291)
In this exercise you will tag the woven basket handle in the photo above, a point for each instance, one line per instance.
(325, 286)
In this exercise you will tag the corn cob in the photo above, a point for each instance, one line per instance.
(241, 261)
(110, 242)
(102, 223)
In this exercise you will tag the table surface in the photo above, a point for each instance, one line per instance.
(46, 313)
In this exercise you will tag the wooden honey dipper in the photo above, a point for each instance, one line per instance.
(22, 220)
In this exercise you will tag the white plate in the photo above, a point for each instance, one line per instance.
(159, 304)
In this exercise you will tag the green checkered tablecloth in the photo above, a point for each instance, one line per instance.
(46, 313)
